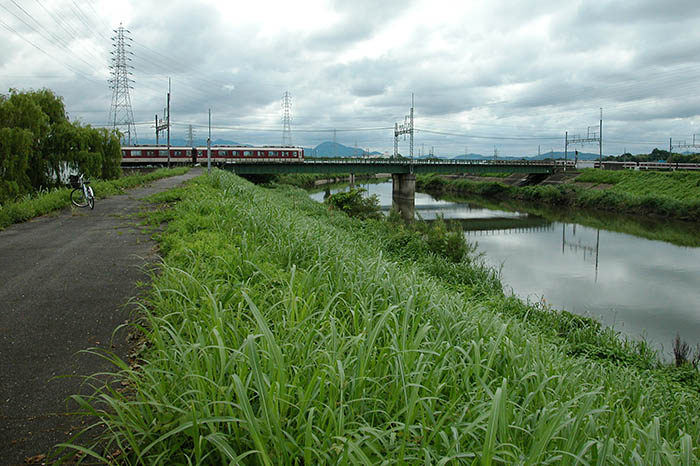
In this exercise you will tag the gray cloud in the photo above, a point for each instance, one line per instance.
(499, 69)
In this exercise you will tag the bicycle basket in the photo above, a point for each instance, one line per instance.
(74, 181)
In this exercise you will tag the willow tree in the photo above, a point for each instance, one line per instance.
(38, 144)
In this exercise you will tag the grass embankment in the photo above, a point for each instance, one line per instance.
(279, 332)
(667, 194)
(41, 203)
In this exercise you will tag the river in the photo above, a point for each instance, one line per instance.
(638, 276)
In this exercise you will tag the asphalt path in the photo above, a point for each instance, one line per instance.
(65, 283)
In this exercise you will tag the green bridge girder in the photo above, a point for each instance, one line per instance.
(374, 166)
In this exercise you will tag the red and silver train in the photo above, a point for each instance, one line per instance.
(158, 155)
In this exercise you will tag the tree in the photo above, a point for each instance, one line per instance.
(39, 144)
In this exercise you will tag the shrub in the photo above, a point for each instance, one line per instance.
(355, 204)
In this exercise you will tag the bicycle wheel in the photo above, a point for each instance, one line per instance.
(91, 198)
(77, 197)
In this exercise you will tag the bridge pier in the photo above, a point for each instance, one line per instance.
(403, 194)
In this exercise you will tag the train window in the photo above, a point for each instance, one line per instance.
(222, 152)
(163, 153)
(247, 153)
(178, 152)
(135, 153)
(271, 153)
(188, 152)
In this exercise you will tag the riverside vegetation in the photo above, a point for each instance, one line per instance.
(47, 200)
(281, 332)
(669, 194)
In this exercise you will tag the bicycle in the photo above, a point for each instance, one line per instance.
(82, 194)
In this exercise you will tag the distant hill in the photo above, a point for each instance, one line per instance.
(334, 149)
(570, 156)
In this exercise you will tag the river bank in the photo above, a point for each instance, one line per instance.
(664, 194)
(281, 332)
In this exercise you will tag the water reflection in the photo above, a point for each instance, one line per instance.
(580, 246)
(636, 283)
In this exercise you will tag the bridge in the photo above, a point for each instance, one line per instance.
(403, 172)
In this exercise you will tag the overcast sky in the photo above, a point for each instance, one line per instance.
(504, 74)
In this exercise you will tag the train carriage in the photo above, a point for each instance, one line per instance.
(158, 155)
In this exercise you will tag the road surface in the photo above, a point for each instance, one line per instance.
(65, 281)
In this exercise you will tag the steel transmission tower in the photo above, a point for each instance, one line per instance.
(190, 136)
(120, 114)
(287, 119)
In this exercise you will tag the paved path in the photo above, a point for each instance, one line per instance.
(64, 282)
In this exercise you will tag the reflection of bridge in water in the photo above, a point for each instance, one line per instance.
(589, 251)
(480, 225)
(532, 224)
(503, 225)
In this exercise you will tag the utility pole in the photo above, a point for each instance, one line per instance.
(396, 141)
(209, 146)
(405, 128)
(333, 148)
(168, 122)
(162, 126)
(600, 139)
(411, 134)
(593, 134)
(566, 148)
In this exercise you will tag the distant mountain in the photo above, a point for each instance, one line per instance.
(333, 149)
(471, 157)
(560, 155)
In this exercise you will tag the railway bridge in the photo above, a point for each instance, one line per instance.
(403, 172)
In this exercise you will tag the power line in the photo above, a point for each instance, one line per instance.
(492, 137)
(74, 70)
(48, 39)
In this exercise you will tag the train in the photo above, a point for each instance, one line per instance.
(614, 165)
(158, 155)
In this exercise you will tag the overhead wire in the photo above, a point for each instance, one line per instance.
(66, 65)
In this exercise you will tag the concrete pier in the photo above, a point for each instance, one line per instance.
(403, 194)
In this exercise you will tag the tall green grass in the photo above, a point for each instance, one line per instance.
(46, 201)
(677, 185)
(279, 332)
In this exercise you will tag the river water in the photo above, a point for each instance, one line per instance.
(640, 277)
